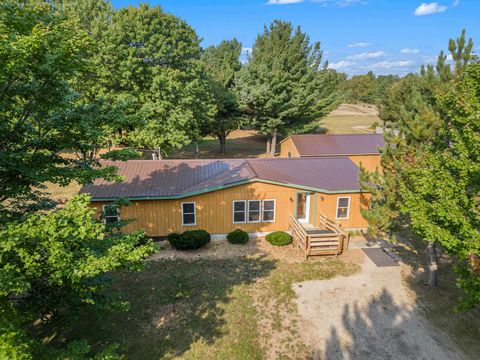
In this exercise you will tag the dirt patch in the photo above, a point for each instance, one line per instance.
(221, 248)
(370, 315)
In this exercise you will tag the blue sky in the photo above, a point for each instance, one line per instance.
(385, 36)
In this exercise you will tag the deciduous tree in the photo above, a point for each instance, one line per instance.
(152, 59)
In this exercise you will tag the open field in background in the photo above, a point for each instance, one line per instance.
(347, 119)
(351, 119)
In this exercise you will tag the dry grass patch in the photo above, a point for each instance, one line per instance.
(215, 308)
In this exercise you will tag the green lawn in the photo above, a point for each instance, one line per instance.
(208, 308)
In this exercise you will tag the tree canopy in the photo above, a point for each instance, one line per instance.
(151, 60)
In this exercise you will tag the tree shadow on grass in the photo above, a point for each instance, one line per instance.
(175, 304)
(384, 329)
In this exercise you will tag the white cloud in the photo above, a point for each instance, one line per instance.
(342, 64)
(283, 2)
(366, 56)
(410, 51)
(388, 64)
(359, 45)
(456, 3)
(449, 57)
(246, 50)
(429, 8)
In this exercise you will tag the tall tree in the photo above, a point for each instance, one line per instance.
(151, 60)
(49, 261)
(440, 190)
(40, 55)
(222, 64)
(420, 179)
(284, 86)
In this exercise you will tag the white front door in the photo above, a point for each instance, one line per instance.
(303, 208)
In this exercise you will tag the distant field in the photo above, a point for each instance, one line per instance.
(351, 119)
(347, 119)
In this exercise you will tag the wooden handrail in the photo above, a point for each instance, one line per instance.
(317, 244)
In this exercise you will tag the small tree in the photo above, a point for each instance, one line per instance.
(52, 263)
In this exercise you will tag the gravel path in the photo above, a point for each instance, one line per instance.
(370, 315)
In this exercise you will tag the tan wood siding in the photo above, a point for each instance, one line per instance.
(287, 147)
(214, 210)
(369, 162)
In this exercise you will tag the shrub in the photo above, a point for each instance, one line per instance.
(279, 238)
(237, 236)
(189, 240)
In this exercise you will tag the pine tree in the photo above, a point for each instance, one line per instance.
(461, 53)
(284, 87)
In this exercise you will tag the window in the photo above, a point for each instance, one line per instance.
(254, 211)
(188, 213)
(343, 207)
(268, 214)
(239, 211)
(111, 214)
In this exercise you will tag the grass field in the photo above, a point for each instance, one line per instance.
(208, 308)
(351, 119)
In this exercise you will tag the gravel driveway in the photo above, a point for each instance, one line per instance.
(370, 315)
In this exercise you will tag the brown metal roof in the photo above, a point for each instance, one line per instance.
(344, 144)
(176, 178)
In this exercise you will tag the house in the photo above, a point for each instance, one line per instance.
(360, 148)
(255, 195)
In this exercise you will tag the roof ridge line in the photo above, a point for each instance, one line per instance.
(247, 162)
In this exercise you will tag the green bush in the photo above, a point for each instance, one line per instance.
(279, 238)
(189, 240)
(237, 236)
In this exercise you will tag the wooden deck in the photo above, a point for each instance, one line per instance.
(327, 239)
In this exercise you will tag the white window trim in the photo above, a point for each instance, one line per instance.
(104, 213)
(245, 211)
(194, 213)
(348, 208)
(259, 212)
(274, 210)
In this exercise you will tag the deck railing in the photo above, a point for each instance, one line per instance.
(331, 243)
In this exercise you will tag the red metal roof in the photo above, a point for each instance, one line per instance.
(176, 178)
(344, 144)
